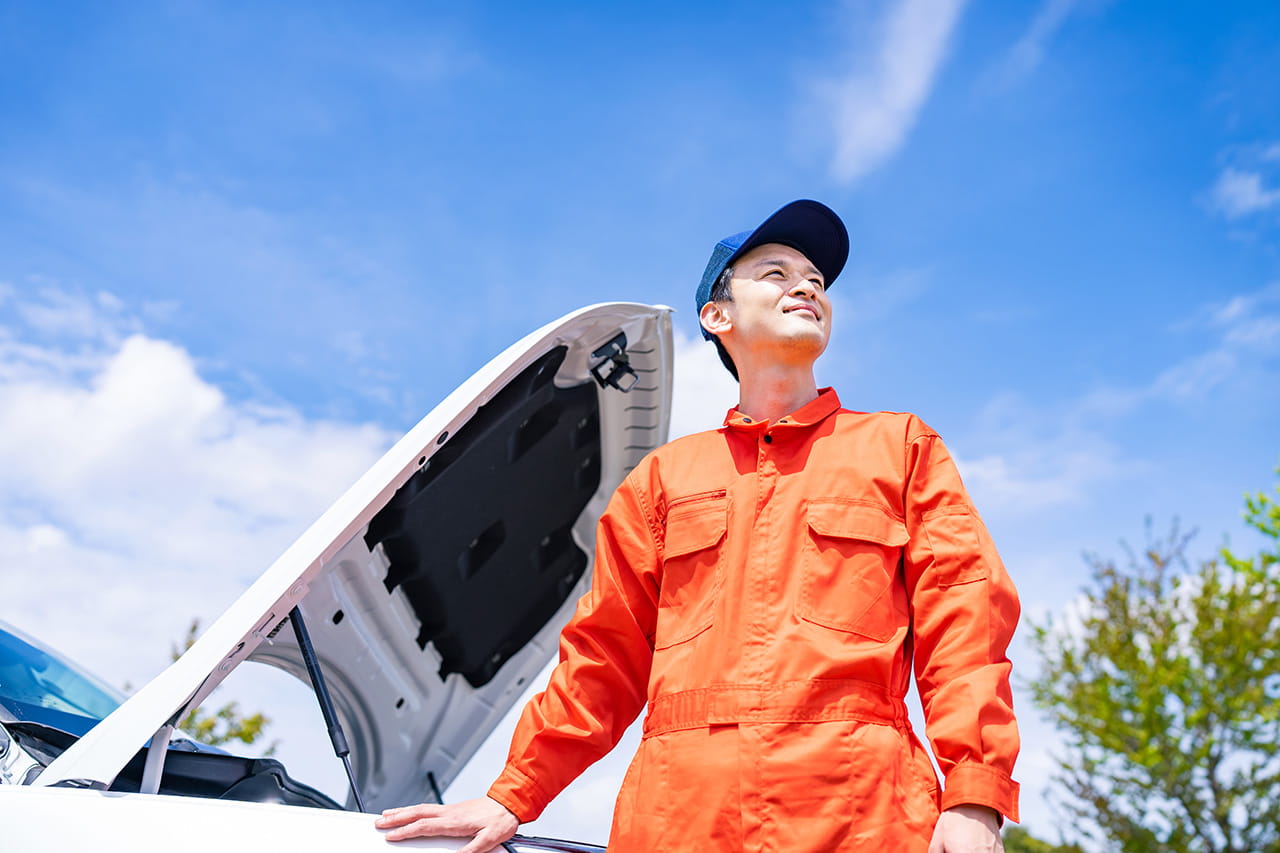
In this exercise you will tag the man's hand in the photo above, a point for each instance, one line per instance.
(487, 822)
(967, 829)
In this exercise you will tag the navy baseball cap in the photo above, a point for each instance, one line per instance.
(807, 226)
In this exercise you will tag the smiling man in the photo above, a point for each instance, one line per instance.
(767, 589)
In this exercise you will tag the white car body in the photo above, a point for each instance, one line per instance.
(417, 678)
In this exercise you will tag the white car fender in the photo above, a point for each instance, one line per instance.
(58, 820)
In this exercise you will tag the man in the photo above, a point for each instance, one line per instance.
(766, 588)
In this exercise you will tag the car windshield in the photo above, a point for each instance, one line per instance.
(36, 685)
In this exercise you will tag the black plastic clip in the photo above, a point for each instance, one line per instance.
(613, 356)
(90, 784)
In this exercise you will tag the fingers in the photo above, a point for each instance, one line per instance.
(487, 822)
(405, 815)
(422, 821)
(418, 829)
(486, 838)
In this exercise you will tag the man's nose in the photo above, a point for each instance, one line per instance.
(805, 288)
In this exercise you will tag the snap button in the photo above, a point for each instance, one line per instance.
(768, 439)
(746, 420)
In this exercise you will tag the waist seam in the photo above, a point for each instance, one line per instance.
(820, 700)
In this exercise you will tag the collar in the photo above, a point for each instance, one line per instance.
(824, 405)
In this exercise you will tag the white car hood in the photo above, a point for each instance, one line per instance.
(435, 588)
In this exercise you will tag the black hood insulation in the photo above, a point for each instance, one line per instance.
(479, 539)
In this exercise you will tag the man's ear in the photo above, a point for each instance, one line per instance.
(714, 318)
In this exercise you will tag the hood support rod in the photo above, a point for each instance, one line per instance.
(336, 735)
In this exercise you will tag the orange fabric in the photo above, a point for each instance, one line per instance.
(766, 588)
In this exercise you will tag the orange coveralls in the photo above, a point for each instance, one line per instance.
(766, 587)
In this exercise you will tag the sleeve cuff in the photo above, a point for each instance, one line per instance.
(519, 794)
(979, 785)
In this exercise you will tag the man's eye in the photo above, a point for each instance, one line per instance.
(773, 272)
(817, 282)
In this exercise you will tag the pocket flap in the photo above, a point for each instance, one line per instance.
(695, 527)
(847, 520)
(957, 538)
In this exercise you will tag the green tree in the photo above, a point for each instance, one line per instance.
(1018, 839)
(1166, 684)
(226, 723)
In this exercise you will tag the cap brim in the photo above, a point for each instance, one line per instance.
(809, 227)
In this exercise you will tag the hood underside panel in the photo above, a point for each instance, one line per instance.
(434, 588)
(480, 538)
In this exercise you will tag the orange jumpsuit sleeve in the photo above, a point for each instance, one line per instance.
(964, 611)
(606, 651)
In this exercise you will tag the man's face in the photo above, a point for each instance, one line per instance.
(780, 307)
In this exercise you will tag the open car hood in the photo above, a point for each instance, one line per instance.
(435, 588)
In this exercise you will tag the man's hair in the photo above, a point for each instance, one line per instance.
(721, 291)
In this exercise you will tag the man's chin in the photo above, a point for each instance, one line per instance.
(810, 346)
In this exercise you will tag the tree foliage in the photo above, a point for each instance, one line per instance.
(223, 724)
(1166, 684)
(1018, 839)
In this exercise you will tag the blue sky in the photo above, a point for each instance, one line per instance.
(244, 247)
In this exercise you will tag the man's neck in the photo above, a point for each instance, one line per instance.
(774, 391)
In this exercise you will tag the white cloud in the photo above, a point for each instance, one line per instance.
(879, 297)
(59, 312)
(876, 105)
(1261, 334)
(1245, 306)
(1039, 474)
(1248, 329)
(184, 233)
(1028, 52)
(1196, 375)
(1239, 193)
(413, 59)
(134, 493)
(702, 389)
(1030, 48)
(1044, 458)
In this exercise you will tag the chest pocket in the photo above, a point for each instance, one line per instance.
(692, 570)
(850, 563)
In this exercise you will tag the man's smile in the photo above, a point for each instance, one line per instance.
(811, 309)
